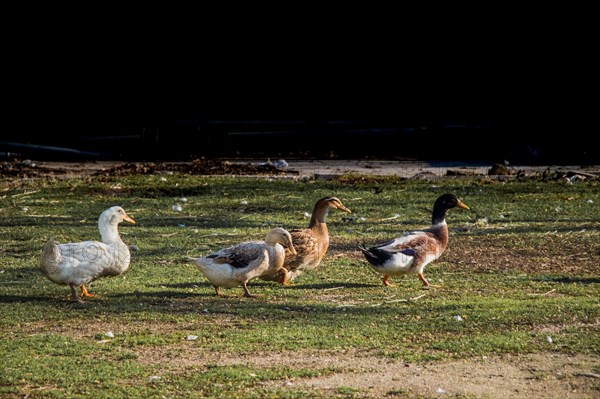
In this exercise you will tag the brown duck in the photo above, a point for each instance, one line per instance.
(311, 243)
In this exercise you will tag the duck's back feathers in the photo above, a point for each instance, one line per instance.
(83, 262)
(233, 266)
(310, 248)
(241, 255)
(404, 254)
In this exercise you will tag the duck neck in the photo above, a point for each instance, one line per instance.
(318, 216)
(438, 216)
(109, 233)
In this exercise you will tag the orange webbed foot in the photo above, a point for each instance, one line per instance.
(386, 282)
(84, 292)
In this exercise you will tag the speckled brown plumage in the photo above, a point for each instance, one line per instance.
(311, 243)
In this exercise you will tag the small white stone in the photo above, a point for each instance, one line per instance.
(440, 390)
(458, 318)
(177, 208)
(280, 164)
(183, 199)
(244, 202)
(153, 378)
(109, 334)
(191, 338)
(549, 339)
(590, 201)
(163, 179)
(306, 214)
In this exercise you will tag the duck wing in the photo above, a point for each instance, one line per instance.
(241, 255)
(84, 261)
(308, 248)
(411, 245)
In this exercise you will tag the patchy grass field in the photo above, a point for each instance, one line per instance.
(522, 270)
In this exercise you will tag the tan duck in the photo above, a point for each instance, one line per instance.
(411, 252)
(79, 263)
(311, 243)
(236, 265)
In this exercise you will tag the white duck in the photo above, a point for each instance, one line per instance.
(236, 265)
(79, 263)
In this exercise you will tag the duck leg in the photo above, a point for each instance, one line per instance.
(425, 282)
(246, 292)
(217, 290)
(386, 282)
(74, 294)
(284, 277)
(84, 292)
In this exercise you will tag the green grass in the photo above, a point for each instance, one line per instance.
(523, 265)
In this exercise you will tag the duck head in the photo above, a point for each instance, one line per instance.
(280, 236)
(443, 204)
(334, 203)
(113, 216)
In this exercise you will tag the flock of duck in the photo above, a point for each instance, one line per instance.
(281, 257)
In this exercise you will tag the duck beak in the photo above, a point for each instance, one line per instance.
(343, 208)
(290, 246)
(460, 204)
(128, 219)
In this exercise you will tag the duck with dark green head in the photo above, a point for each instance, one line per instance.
(414, 250)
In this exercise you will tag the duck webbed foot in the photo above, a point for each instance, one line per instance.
(426, 284)
(247, 293)
(386, 282)
(84, 292)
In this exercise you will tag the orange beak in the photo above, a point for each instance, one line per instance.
(128, 219)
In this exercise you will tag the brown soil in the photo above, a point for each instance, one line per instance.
(320, 169)
(197, 167)
(544, 375)
(541, 375)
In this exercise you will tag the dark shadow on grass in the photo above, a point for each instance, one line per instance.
(183, 285)
(161, 294)
(324, 286)
(31, 298)
(569, 280)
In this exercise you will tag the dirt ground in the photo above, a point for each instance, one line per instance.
(543, 375)
(540, 375)
(319, 169)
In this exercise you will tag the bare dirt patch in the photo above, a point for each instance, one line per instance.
(319, 169)
(29, 168)
(543, 375)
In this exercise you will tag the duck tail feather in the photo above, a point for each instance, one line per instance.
(50, 256)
